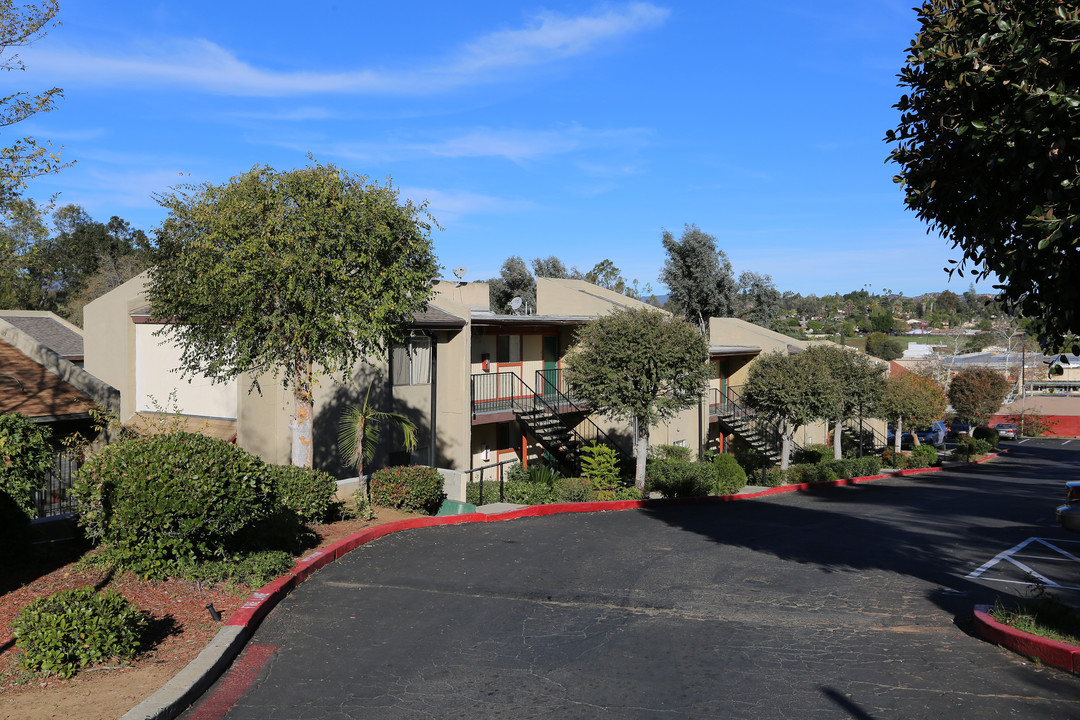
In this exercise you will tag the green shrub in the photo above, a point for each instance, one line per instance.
(62, 633)
(669, 452)
(539, 472)
(969, 448)
(519, 492)
(813, 454)
(600, 466)
(569, 490)
(927, 455)
(679, 478)
(729, 477)
(254, 569)
(25, 455)
(867, 465)
(305, 491)
(775, 477)
(414, 488)
(163, 501)
(989, 434)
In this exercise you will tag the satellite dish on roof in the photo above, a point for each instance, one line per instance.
(459, 272)
(515, 304)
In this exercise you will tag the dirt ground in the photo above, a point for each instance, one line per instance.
(181, 624)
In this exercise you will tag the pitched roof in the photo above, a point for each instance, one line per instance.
(60, 336)
(28, 388)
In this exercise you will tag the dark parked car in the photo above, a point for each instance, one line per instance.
(959, 429)
(1007, 431)
(1068, 515)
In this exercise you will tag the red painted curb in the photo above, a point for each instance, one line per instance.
(1052, 652)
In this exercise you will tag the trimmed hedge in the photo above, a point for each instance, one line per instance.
(414, 488)
(679, 478)
(157, 503)
(728, 476)
(305, 491)
(823, 472)
(63, 633)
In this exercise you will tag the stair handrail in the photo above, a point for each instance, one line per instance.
(731, 405)
(564, 399)
(528, 399)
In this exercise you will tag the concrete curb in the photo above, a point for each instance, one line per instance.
(180, 692)
(191, 682)
(1051, 652)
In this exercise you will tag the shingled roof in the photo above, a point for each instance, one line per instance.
(53, 332)
(28, 388)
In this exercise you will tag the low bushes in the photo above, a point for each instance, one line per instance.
(969, 448)
(62, 633)
(160, 501)
(174, 504)
(921, 456)
(306, 492)
(823, 472)
(414, 488)
(716, 475)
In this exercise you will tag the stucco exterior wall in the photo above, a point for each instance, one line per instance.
(160, 386)
(109, 340)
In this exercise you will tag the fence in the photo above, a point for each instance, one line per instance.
(53, 498)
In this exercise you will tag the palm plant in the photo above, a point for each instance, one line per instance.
(358, 435)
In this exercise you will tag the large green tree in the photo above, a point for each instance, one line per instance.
(639, 365)
(514, 280)
(848, 383)
(910, 400)
(25, 157)
(698, 277)
(976, 393)
(988, 145)
(759, 300)
(786, 390)
(294, 274)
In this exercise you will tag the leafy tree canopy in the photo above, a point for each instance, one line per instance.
(882, 346)
(786, 390)
(25, 158)
(289, 273)
(987, 145)
(848, 383)
(911, 400)
(641, 365)
(514, 280)
(698, 277)
(758, 298)
(977, 393)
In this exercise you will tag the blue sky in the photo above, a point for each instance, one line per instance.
(568, 128)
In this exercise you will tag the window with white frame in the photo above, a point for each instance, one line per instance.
(410, 361)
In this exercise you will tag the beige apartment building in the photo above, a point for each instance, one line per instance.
(482, 388)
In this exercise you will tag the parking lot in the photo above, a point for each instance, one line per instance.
(842, 602)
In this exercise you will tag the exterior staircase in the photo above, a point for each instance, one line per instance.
(560, 425)
(760, 434)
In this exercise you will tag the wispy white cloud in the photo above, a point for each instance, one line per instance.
(445, 205)
(511, 144)
(205, 66)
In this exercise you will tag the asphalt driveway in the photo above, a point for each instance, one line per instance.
(846, 602)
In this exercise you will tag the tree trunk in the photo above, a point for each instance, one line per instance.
(641, 451)
(837, 434)
(302, 422)
(899, 432)
(786, 437)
